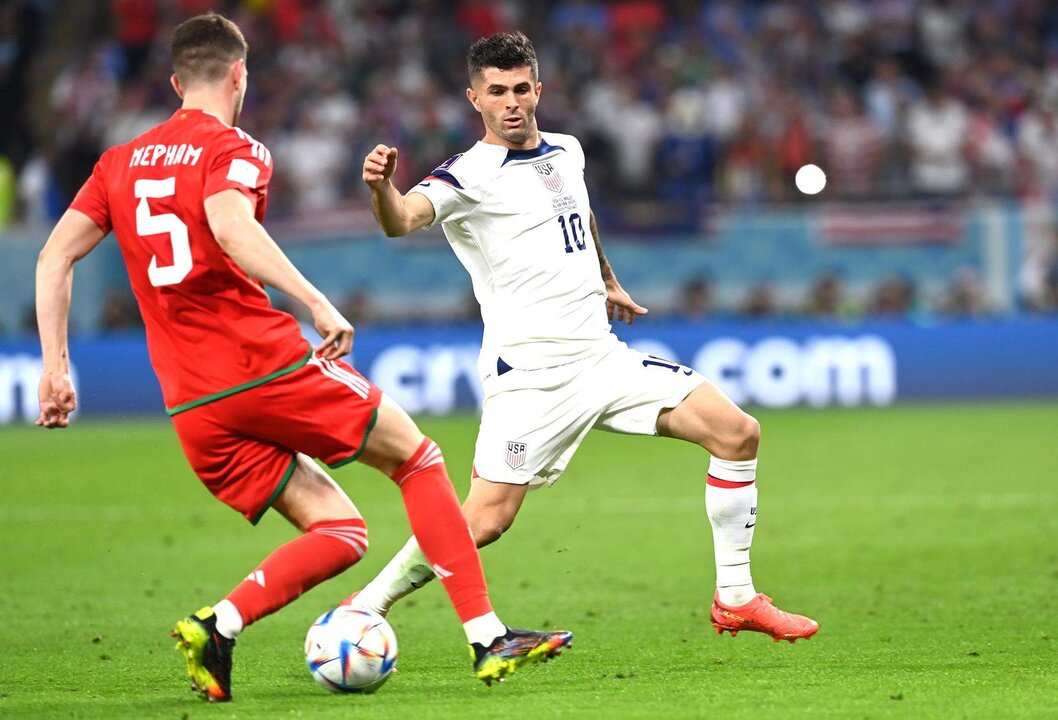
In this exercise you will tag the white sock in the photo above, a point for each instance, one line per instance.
(731, 504)
(484, 629)
(229, 621)
(406, 572)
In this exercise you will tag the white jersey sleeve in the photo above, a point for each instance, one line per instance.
(454, 197)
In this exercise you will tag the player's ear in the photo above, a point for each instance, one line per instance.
(174, 80)
(539, 87)
(237, 69)
(473, 98)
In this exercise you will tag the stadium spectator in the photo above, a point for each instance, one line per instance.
(795, 145)
(826, 298)
(855, 147)
(119, 312)
(964, 296)
(938, 126)
(358, 307)
(759, 302)
(893, 296)
(137, 24)
(314, 160)
(695, 301)
(990, 150)
(1038, 148)
(941, 26)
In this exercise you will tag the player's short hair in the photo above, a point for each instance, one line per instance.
(503, 50)
(204, 47)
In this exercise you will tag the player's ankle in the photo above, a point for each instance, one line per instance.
(484, 629)
(736, 596)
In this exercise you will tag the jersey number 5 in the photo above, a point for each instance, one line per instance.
(165, 224)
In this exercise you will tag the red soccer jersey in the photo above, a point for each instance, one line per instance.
(211, 330)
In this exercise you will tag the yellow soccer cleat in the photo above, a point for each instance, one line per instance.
(514, 649)
(207, 653)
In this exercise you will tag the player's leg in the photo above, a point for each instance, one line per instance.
(414, 462)
(531, 425)
(489, 510)
(708, 418)
(334, 538)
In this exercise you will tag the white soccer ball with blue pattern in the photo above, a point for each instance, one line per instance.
(351, 650)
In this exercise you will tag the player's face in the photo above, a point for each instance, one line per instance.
(507, 102)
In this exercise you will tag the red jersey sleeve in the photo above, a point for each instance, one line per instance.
(91, 199)
(241, 163)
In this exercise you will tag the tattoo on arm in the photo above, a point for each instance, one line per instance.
(604, 264)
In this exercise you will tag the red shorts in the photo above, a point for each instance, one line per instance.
(244, 446)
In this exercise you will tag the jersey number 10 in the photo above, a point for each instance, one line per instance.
(576, 228)
(165, 224)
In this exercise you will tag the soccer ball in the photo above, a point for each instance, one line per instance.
(351, 650)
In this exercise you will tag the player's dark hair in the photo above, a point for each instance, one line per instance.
(204, 47)
(505, 51)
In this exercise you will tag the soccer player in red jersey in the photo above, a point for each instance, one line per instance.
(251, 401)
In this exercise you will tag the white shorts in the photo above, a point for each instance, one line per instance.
(532, 421)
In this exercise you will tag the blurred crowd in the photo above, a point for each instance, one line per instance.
(828, 298)
(679, 104)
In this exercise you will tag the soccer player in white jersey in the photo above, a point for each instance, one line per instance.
(515, 209)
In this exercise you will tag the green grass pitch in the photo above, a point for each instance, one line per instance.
(923, 538)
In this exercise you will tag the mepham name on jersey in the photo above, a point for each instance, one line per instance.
(149, 155)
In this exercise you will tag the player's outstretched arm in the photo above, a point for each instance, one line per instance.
(397, 214)
(619, 304)
(231, 219)
(74, 236)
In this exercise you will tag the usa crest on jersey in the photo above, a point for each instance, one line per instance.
(548, 174)
(515, 454)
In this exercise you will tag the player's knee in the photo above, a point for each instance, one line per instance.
(489, 529)
(747, 437)
(427, 456)
(740, 439)
(348, 538)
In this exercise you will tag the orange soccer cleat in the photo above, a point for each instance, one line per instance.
(759, 615)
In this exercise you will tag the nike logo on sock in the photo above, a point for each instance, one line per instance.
(752, 524)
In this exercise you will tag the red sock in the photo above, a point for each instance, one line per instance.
(326, 549)
(442, 532)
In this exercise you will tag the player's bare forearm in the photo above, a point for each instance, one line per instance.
(388, 206)
(397, 215)
(251, 247)
(245, 240)
(619, 304)
(604, 265)
(54, 288)
(74, 236)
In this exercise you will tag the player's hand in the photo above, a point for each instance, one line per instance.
(619, 304)
(57, 400)
(335, 330)
(379, 165)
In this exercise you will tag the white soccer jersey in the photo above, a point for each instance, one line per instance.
(518, 220)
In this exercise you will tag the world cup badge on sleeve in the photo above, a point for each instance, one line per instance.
(548, 174)
(515, 454)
